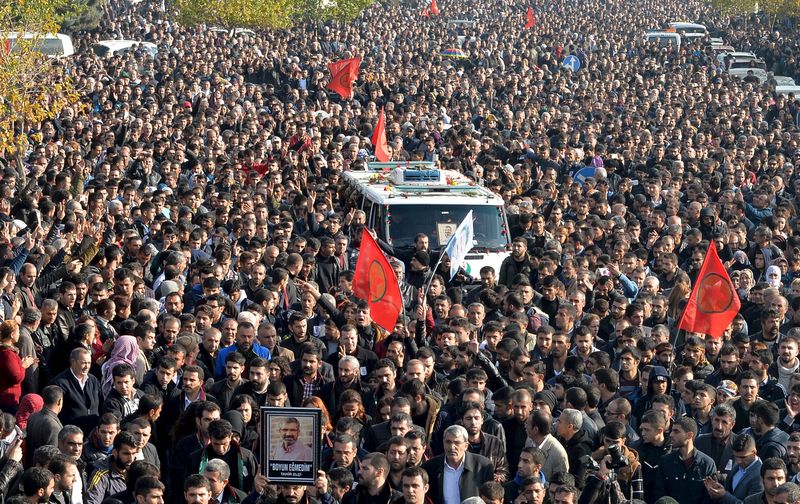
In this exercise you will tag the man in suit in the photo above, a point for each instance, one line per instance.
(81, 405)
(745, 479)
(44, 425)
(218, 473)
(457, 474)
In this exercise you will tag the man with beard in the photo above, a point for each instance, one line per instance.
(728, 366)
(694, 357)
(674, 468)
(559, 351)
(308, 381)
(373, 487)
(245, 344)
(793, 457)
(65, 472)
(242, 462)
(348, 345)
(37, 485)
(514, 426)
(770, 440)
(109, 475)
(718, 444)
(519, 262)
(482, 443)
(259, 381)
(787, 363)
(745, 479)
(397, 454)
(223, 390)
(424, 408)
(196, 490)
(347, 370)
(290, 448)
(768, 387)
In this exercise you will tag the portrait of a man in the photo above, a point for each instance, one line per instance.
(291, 448)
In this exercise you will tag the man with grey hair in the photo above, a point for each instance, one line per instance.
(457, 474)
(576, 441)
(788, 493)
(31, 317)
(218, 475)
(348, 377)
(718, 444)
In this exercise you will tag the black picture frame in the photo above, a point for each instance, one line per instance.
(299, 464)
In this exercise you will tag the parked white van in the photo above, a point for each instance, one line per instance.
(52, 45)
(113, 47)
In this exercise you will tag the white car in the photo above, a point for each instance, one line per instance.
(735, 56)
(783, 80)
(689, 30)
(664, 38)
(236, 31)
(114, 47)
(52, 45)
(786, 90)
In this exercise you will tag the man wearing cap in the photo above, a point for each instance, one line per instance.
(419, 272)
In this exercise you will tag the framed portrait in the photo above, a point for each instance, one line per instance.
(290, 444)
(445, 231)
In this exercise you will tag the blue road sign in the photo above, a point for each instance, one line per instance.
(572, 62)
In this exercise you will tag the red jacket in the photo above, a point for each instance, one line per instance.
(11, 378)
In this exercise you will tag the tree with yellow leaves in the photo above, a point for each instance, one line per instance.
(33, 87)
(231, 14)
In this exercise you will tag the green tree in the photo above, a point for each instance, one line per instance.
(232, 14)
(779, 9)
(736, 7)
(83, 15)
(32, 87)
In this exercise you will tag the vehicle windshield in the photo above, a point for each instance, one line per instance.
(45, 45)
(406, 221)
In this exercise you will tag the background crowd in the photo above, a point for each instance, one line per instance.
(178, 250)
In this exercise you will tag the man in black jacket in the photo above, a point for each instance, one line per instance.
(309, 374)
(373, 487)
(577, 443)
(470, 470)
(44, 425)
(81, 392)
(681, 473)
(241, 460)
(482, 443)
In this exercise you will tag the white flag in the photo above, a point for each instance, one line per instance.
(460, 243)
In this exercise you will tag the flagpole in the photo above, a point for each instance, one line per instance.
(433, 272)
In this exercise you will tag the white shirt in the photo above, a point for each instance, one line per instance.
(451, 479)
(81, 382)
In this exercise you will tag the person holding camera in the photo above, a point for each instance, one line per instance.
(617, 475)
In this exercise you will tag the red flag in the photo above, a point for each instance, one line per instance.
(343, 74)
(434, 8)
(379, 139)
(426, 13)
(260, 168)
(374, 281)
(714, 302)
(530, 21)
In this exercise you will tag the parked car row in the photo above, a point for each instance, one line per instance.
(744, 65)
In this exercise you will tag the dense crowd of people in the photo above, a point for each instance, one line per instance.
(178, 250)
